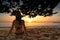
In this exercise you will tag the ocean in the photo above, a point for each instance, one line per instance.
(32, 25)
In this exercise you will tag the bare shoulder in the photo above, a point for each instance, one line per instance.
(14, 21)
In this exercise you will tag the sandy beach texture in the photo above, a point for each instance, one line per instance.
(34, 34)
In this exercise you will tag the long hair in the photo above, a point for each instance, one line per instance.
(18, 17)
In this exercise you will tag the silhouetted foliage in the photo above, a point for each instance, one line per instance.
(29, 7)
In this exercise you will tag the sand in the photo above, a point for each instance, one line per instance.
(34, 34)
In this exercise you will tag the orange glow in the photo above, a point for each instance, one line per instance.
(7, 18)
(31, 21)
(35, 19)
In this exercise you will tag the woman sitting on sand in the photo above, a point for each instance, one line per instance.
(19, 24)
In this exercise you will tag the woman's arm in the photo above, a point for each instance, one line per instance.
(11, 28)
(9, 31)
(24, 27)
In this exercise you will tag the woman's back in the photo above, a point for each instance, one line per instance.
(19, 27)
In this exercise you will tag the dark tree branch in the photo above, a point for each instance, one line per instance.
(39, 7)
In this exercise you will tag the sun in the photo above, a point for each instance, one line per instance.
(30, 20)
(27, 19)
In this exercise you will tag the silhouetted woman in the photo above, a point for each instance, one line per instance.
(18, 24)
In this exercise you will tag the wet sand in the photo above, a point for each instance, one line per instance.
(34, 34)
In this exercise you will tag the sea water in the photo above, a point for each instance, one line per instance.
(32, 25)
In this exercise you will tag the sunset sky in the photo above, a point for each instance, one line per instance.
(54, 18)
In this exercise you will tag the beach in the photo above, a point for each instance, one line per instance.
(37, 31)
(34, 34)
